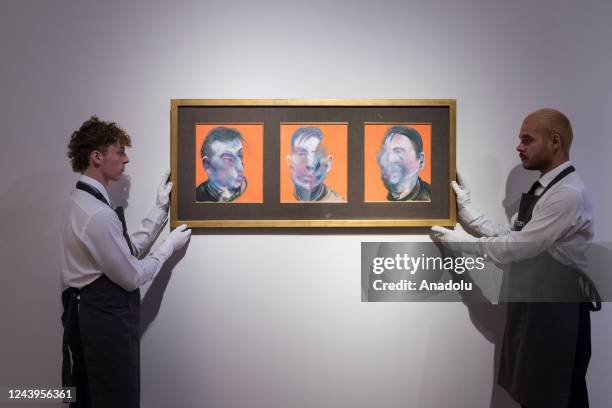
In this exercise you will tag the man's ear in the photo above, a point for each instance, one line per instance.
(555, 138)
(95, 158)
(330, 161)
(421, 161)
(205, 162)
(288, 160)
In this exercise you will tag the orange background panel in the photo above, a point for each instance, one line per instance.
(335, 140)
(253, 158)
(374, 189)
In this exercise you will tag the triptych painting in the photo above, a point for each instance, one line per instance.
(312, 163)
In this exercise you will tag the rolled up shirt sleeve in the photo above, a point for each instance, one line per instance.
(105, 242)
(553, 217)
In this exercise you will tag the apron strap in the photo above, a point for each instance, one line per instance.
(119, 211)
(558, 178)
(91, 190)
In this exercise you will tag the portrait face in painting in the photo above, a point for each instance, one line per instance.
(222, 158)
(309, 161)
(401, 159)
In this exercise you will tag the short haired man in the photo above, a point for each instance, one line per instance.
(222, 158)
(310, 163)
(102, 268)
(401, 159)
(547, 343)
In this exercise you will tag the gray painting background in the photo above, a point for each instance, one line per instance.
(282, 325)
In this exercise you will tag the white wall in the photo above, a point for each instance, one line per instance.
(273, 327)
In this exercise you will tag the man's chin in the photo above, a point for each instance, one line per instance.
(528, 166)
(307, 183)
(392, 187)
(392, 181)
(306, 186)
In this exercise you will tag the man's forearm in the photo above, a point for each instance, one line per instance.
(149, 228)
(482, 225)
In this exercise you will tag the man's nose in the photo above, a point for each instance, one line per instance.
(312, 161)
(520, 148)
(127, 159)
(394, 157)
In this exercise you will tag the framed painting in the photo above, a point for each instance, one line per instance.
(312, 163)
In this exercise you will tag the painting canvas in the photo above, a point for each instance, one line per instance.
(313, 159)
(229, 163)
(397, 162)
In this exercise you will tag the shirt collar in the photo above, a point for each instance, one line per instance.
(95, 184)
(548, 177)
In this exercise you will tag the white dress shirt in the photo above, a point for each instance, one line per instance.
(93, 244)
(561, 223)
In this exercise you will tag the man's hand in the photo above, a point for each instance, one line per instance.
(467, 213)
(179, 236)
(163, 191)
(454, 240)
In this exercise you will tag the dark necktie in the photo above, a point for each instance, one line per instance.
(119, 212)
(534, 187)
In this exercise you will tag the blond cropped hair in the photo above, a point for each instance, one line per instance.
(551, 121)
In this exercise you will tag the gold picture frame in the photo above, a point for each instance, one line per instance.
(190, 116)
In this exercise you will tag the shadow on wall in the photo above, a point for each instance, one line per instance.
(490, 319)
(518, 182)
(152, 300)
(119, 193)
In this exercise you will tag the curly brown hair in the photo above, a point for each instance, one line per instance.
(94, 134)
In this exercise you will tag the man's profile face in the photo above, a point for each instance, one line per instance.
(225, 167)
(399, 161)
(535, 149)
(309, 163)
(112, 162)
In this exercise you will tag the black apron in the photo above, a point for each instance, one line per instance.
(547, 344)
(101, 344)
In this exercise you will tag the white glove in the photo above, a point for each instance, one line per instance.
(455, 240)
(163, 191)
(462, 193)
(467, 214)
(179, 237)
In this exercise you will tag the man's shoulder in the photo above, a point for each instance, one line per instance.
(570, 188)
(567, 196)
(89, 210)
(201, 186)
(423, 192)
(332, 196)
(425, 186)
(87, 204)
(202, 193)
(84, 213)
